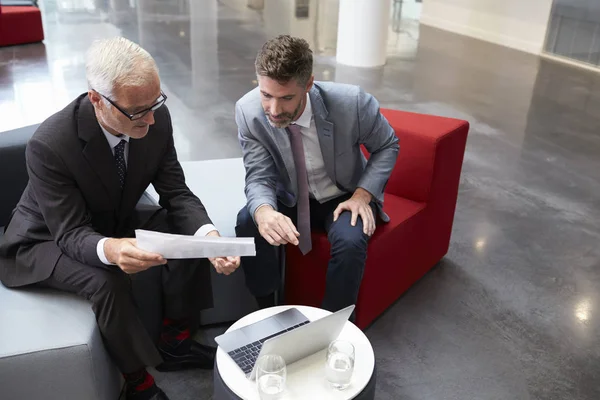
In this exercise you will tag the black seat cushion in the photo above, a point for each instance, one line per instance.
(13, 172)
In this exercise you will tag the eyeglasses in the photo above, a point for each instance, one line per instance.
(139, 114)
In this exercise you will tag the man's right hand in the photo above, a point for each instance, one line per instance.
(275, 227)
(128, 257)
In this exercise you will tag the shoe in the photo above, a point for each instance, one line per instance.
(140, 385)
(196, 356)
(158, 395)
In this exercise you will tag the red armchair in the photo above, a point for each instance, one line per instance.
(20, 24)
(420, 199)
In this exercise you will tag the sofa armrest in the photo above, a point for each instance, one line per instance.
(431, 155)
(13, 171)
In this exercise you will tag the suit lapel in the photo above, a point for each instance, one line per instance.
(325, 131)
(97, 150)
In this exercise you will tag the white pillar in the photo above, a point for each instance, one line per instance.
(362, 32)
(203, 44)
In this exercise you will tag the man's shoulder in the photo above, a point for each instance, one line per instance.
(250, 100)
(162, 129)
(337, 89)
(248, 109)
(339, 99)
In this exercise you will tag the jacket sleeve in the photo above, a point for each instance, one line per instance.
(62, 204)
(185, 211)
(378, 137)
(261, 173)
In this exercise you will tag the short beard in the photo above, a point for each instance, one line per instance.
(287, 122)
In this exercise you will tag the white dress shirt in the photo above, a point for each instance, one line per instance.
(320, 185)
(114, 141)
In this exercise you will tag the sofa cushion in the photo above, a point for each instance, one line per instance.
(399, 210)
(12, 159)
(53, 337)
(20, 25)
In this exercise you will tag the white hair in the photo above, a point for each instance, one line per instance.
(117, 62)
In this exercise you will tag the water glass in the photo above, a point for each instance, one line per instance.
(270, 377)
(340, 364)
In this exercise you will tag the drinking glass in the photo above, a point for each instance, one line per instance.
(340, 364)
(270, 377)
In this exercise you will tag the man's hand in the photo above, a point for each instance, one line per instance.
(128, 257)
(358, 204)
(223, 265)
(275, 227)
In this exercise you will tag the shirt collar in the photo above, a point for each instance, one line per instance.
(112, 139)
(305, 118)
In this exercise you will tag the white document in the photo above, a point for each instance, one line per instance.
(182, 246)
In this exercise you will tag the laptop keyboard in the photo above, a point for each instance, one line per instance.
(246, 356)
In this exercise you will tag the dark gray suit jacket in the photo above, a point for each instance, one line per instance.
(73, 197)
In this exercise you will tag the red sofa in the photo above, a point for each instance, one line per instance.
(420, 199)
(20, 25)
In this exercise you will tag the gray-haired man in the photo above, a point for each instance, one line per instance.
(88, 166)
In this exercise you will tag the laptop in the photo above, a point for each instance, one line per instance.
(289, 334)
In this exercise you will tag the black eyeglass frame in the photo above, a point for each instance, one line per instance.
(139, 114)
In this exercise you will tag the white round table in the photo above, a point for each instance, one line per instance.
(306, 377)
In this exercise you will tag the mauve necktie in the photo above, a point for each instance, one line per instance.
(120, 161)
(303, 205)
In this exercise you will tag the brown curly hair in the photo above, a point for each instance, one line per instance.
(285, 58)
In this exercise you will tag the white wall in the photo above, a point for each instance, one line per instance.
(520, 24)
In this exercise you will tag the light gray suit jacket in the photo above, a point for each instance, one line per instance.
(345, 117)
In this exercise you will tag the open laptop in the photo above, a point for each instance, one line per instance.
(288, 334)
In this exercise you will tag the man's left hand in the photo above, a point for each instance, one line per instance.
(223, 265)
(358, 205)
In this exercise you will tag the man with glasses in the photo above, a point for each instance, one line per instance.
(73, 228)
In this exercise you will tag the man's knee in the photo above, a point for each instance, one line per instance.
(347, 238)
(106, 284)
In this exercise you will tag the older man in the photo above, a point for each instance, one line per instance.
(88, 166)
(305, 169)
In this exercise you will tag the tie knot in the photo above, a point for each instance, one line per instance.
(294, 129)
(121, 145)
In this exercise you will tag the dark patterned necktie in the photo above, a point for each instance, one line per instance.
(303, 204)
(120, 161)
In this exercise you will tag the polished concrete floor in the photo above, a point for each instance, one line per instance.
(513, 311)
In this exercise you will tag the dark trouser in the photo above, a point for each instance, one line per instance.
(348, 253)
(109, 290)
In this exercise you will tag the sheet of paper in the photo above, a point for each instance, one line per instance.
(182, 246)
